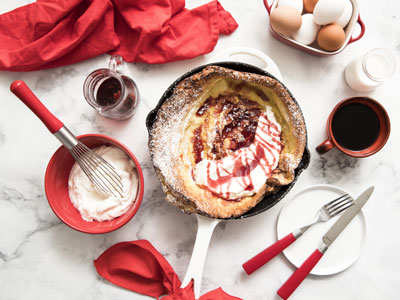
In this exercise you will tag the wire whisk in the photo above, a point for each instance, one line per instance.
(100, 172)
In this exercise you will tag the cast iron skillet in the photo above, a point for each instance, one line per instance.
(269, 200)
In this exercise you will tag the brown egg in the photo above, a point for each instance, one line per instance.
(309, 5)
(331, 37)
(285, 20)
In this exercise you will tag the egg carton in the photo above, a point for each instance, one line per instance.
(313, 48)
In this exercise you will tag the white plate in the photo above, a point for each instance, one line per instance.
(301, 210)
(250, 56)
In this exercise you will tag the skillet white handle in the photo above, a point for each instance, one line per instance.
(205, 229)
(268, 64)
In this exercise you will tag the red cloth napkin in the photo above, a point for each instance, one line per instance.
(139, 267)
(52, 33)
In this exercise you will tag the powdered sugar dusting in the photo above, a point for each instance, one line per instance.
(171, 120)
(167, 130)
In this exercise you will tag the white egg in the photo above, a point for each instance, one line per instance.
(297, 4)
(308, 30)
(328, 11)
(346, 15)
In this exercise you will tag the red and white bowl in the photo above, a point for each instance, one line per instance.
(355, 19)
(56, 187)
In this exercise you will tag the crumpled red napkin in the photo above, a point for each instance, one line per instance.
(139, 267)
(52, 33)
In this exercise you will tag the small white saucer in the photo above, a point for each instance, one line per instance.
(301, 210)
(250, 56)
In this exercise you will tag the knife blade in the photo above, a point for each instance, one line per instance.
(345, 219)
(301, 273)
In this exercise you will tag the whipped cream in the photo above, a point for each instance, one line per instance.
(95, 205)
(246, 170)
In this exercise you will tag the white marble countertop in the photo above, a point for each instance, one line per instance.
(42, 258)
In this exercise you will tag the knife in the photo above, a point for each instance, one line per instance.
(301, 273)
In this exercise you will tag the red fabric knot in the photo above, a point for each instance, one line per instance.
(186, 293)
(139, 267)
(52, 33)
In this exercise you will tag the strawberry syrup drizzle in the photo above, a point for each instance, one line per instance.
(252, 158)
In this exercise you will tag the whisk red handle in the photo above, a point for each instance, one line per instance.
(24, 93)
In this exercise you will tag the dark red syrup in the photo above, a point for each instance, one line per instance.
(109, 92)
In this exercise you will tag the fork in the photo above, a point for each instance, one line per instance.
(326, 212)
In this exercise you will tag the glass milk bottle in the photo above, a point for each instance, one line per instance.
(368, 71)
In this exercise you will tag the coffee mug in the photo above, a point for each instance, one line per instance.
(357, 126)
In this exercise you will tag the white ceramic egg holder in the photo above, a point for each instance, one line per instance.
(354, 20)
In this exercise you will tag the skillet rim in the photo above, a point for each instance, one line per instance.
(271, 199)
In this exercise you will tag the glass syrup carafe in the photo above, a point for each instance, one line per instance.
(113, 94)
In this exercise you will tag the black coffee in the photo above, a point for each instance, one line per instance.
(355, 126)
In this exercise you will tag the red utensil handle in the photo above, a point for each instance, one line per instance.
(299, 275)
(362, 25)
(23, 92)
(266, 255)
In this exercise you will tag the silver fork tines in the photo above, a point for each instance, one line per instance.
(339, 204)
(329, 210)
(99, 171)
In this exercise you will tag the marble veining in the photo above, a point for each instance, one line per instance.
(2, 139)
(42, 258)
(334, 166)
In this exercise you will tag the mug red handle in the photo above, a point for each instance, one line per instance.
(325, 146)
(267, 6)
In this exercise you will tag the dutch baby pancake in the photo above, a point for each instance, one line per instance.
(224, 140)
